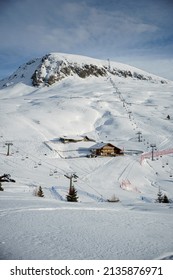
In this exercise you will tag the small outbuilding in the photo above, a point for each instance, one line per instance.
(75, 139)
(106, 149)
(72, 139)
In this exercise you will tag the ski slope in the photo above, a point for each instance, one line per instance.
(109, 109)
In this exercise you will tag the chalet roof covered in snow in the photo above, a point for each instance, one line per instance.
(101, 145)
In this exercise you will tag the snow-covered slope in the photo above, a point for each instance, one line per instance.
(53, 67)
(106, 108)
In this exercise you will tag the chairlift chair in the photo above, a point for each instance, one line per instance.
(75, 176)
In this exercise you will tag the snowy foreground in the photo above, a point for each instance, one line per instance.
(107, 109)
(47, 229)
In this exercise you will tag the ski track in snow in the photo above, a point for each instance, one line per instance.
(55, 194)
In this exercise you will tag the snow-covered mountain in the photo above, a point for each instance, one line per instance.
(54, 67)
(50, 100)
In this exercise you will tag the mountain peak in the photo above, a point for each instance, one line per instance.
(54, 67)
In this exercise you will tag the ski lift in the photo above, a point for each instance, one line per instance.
(55, 171)
(39, 163)
(50, 173)
(35, 166)
(27, 157)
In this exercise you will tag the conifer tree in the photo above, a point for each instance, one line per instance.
(40, 192)
(162, 198)
(165, 199)
(72, 195)
(1, 188)
(159, 196)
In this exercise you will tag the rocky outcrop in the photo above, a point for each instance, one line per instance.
(51, 71)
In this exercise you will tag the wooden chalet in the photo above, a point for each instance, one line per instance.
(106, 149)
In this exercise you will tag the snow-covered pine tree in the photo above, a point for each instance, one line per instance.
(159, 196)
(162, 198)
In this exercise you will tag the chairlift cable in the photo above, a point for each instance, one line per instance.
(35, 157)
(91, 187)
(42, 160)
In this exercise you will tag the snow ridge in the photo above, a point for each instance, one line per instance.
(54, 67)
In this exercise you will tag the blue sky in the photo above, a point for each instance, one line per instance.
(135, 32)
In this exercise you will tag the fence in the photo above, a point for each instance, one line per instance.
(155, 154)
(126, 185)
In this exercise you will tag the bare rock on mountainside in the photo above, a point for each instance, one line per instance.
(52, 70)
